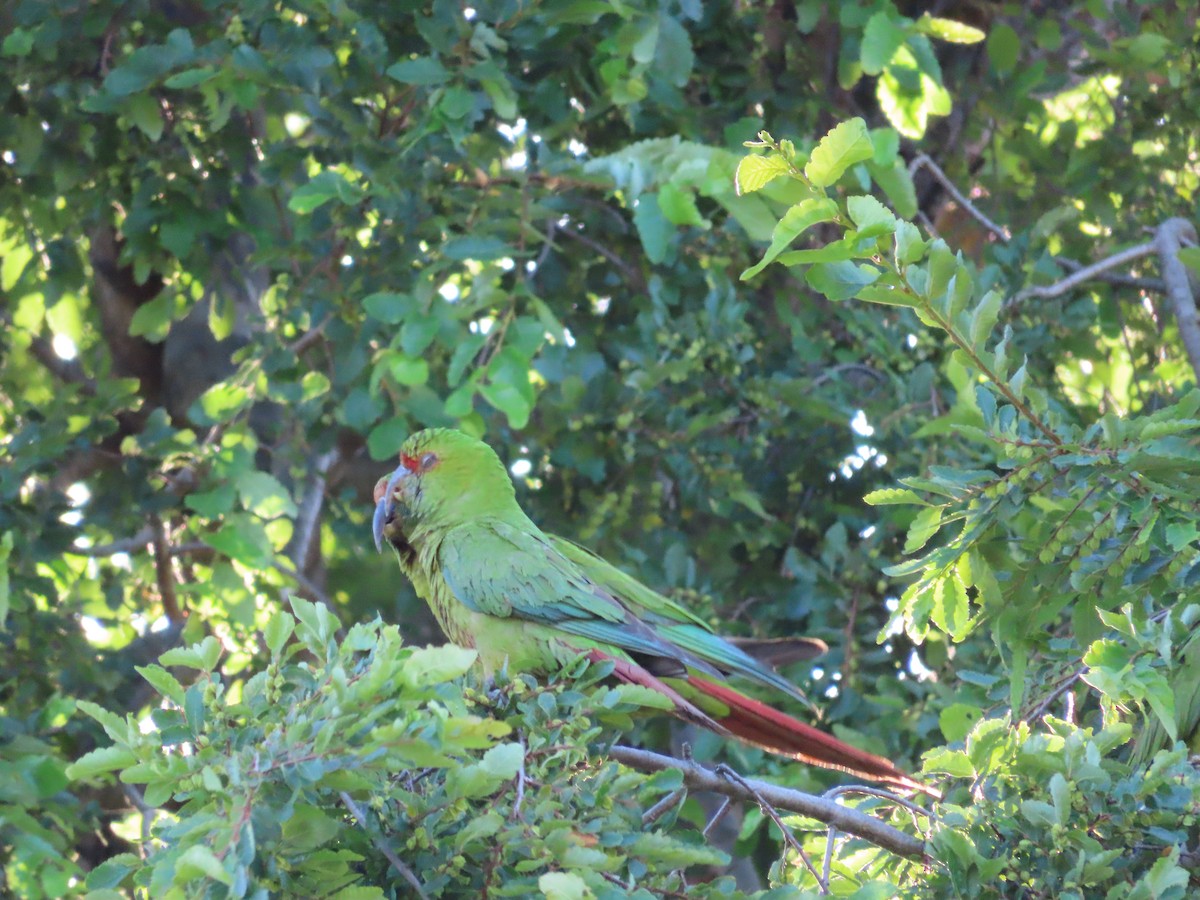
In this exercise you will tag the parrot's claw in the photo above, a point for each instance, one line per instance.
(385, 506)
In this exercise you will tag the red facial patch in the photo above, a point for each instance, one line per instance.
(409, 462)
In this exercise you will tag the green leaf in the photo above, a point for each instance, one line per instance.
(387, 437)
(163, 682)
(983, 319)
(871, 218)
(949, 30)
(654, 228)
(277, 632)
(423, 70)
(153, 319)
(321, 189)
(795, 221)
(6, 545)
(504, 761)
(923, 527)
(264, 495)
(115, 727)
(910, 246)
(679, 206)
(893, 496)
(111, 872)
(203, 655)
(1003, 48)
(198, 861)
(387, 307)
(564, 886)
(309, 828)
(434, 665)
(847, 144)
(755, 172)
(840, 280)
(881, 38)
(144, 112)
(102, 759)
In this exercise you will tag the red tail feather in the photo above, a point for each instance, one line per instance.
(758, 724)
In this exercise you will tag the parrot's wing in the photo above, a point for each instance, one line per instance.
(676, 622)
(649, 603)
(499, 569)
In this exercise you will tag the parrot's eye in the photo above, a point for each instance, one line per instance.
(428, 460)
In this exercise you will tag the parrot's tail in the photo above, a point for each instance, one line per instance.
(759, 724)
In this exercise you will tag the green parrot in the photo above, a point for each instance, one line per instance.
(533, 603)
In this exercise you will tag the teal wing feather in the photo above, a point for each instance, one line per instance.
(674, 621)
(499, 569)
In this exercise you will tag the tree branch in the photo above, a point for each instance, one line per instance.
(405, 872)
(308, 519)
(164, 572)
(922, 160)
(845, 819)
(1168, 239)
(1087, 273)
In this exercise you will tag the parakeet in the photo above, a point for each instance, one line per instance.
(532, 602)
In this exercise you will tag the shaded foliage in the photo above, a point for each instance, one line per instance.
(246, 248)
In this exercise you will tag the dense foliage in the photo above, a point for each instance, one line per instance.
(724, 285)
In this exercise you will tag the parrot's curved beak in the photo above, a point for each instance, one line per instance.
(385, 504)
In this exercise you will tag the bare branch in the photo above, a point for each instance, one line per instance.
(922, 160)
(381, 845)
(308, 519)
(632, 275)
(1155, 285)
(845, 819)
(1087, 273)
(1168, 239)
(771, 812)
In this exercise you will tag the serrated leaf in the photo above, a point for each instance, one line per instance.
(795, 221)
(503, 761)
(845, 145)
(923, 527)
(983, 319)
(102, 759)
(871, 218)
(840, 280)
(893, 497)
(198, 861)
(755, 172)
(433, 665)
(163, 682)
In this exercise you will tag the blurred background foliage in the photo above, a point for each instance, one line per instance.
(245, 249)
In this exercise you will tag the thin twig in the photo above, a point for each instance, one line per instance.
(725, 806)
(633, 276)
(849, 820)
(1168, 239)
(380, 844)
(1087, 273)
(770, 811)
(516, 810)
(921, 160)
(1153, 285)
(660, 809)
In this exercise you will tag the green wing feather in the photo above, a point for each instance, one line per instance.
(537, 583)
(673, 621)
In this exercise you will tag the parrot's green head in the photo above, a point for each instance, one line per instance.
(445, 478)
